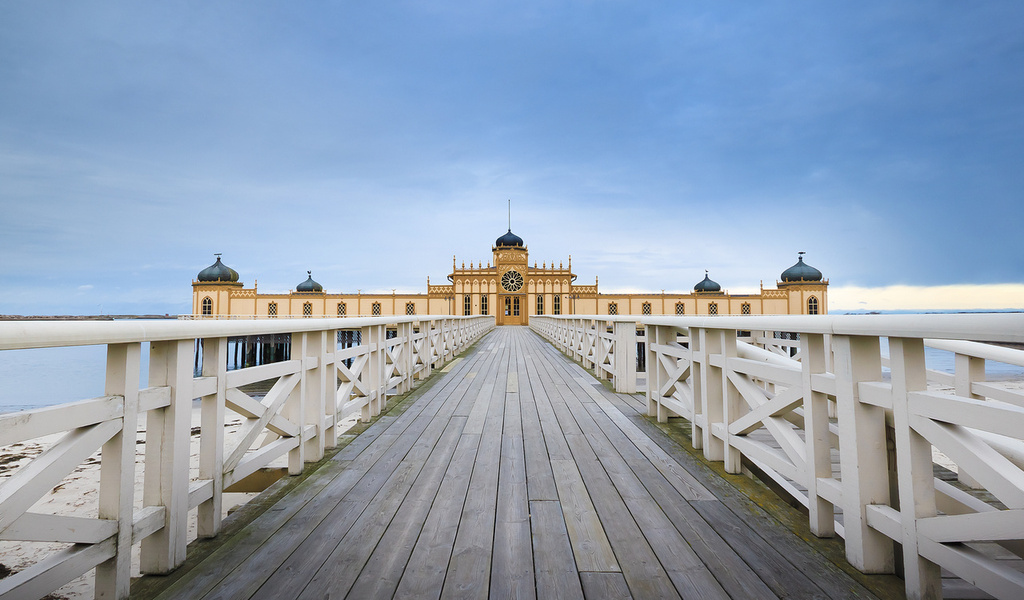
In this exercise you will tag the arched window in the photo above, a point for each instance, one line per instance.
(307, 309)
(341, 309)
(483, 304)
(467, 305)
(713, 308)
(207, 306)
(646, 308)
(540, 304)
(272, 309)
(680, 308)
(745, 308)
(613, 308)
(410, 308)
(812, 306)
(375, 309)
(557, 305)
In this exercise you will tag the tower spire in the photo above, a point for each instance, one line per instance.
(510, 214)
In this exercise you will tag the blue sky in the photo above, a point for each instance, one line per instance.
(369, 142)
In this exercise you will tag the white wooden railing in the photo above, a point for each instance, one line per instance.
(296, 419)
(882, 420)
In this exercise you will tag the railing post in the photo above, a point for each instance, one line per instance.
(863, 453)
(168, 432)
(117, 470)
(294, 408)
(426, 349)
(314, 382)
(657, 374)
(817, 438)
(590, 340)
(913, 466)
(968, 370)
(712, 393)
(625, 357)
(732, 402)
(698, 362)
(330, 379)
(211, 436)
(374, 336)
(407, 356)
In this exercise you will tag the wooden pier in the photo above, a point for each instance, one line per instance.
(517, 474)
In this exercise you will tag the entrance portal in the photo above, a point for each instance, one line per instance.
(511, 312)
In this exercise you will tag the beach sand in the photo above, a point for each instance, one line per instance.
(77, 495)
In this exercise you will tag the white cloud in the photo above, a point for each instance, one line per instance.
(939, 297)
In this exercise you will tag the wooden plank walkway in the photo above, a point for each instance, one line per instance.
(517, 475)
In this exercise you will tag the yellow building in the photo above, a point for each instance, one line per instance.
(511, 290)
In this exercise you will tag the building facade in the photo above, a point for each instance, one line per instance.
(511, 290)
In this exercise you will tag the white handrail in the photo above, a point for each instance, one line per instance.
(296, 419)
(786, 416)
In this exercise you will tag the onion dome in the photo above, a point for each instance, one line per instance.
(801, 271)
(309, 285)
(509, 240)
(218, 272)
(706, 285)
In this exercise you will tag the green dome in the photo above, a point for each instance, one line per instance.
(309, 285)
(707, 285)
(218, 272)
(801, 271)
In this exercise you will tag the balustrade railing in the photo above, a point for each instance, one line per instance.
(853, 435)
(297, 418)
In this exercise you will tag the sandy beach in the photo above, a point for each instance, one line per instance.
(77, 495)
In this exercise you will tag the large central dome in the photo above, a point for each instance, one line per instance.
(509, 240)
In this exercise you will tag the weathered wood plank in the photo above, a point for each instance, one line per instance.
(556, 577)
(383, 571)
(605, 586)
(401, 461)
(469, 569)
(589, 542)
(425, 573)
(342, 567)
